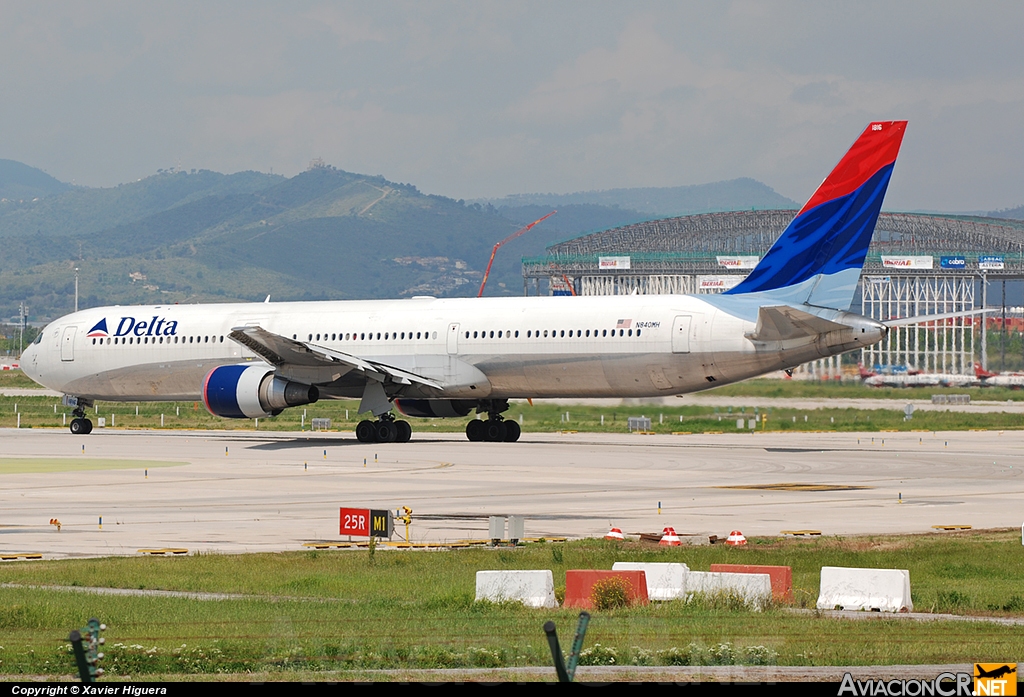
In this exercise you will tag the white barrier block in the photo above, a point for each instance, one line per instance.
(755, 589)
(885, 590)
(665, 580)
(531, 588)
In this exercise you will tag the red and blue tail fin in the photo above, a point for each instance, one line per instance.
(818, 258)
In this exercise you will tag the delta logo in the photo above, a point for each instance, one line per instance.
(157, 326)
(995, 679)
(100, 329)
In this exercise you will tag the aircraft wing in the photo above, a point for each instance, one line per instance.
(783, 322)
(301, 357)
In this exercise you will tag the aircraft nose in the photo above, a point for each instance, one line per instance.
(28, 362)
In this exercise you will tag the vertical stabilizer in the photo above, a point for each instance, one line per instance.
(818, 258)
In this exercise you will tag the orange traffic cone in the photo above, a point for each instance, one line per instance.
(669, 538)
(736, 539)
(615, 534)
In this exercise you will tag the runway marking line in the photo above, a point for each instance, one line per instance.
(788, 486)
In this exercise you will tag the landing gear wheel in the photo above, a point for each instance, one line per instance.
(386, 431)
(81, 427)
(404, 431)
(366, 431)
(495, 431)
(476, 430)
(512, 431)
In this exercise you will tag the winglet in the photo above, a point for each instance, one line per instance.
(818, 257)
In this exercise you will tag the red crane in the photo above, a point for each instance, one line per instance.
(508, 239)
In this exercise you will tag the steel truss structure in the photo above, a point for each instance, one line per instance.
(942, 346)
(670, 256)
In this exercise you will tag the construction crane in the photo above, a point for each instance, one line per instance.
(508, 239)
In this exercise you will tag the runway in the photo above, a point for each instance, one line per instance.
(251, 492)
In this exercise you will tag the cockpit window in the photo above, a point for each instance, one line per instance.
(39, 339)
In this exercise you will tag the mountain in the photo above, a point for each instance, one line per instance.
(202, 236)
(19, 182)
(666, 202)
(1013, 213)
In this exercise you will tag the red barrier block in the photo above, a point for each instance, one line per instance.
(579, 584)
(781, 576)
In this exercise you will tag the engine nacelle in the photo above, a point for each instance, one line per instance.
(435, 408)
(252, 391)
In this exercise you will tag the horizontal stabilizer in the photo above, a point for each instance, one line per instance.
(921, 319)
(281, 351)
(782, 323)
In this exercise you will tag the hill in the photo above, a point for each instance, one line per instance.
(202, 236)
(664, 202)
(1013, 213)
(20, 182)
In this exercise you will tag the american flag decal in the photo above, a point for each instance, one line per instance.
(624, 324)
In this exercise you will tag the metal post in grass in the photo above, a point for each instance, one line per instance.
(577, 644)
(85, 642)
(567, 673)
(556, 652)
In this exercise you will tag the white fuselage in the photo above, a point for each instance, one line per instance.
(614, 346)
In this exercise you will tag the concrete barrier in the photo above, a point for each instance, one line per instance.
(754, 589)
(579, 584)
(665, 580)
(531, 588)
(781, 576)
(882, 590)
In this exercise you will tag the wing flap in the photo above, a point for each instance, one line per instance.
(283, 352)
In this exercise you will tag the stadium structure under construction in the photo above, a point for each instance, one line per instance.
(917, 264)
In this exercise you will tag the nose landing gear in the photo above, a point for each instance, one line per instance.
(80, 426)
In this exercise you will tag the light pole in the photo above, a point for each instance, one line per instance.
(76, 289)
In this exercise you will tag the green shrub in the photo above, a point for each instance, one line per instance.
(598, 655)
(610, 593)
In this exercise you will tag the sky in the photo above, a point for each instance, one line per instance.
(480, 99)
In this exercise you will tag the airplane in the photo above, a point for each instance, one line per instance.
(434, 357)
(989, 378)
(918, 379)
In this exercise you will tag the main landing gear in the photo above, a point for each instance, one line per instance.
(80, 426)
(384, 430)
(495, 429)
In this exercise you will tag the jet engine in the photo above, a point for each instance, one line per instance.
(251, 391)
(435, 408)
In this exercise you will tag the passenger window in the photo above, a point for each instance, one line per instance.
(517, 334)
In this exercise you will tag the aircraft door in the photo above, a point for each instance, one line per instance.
(453, 339)
(67, 343)
(681, 334)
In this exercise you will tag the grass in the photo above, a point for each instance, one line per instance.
(16, 379)
(35, 465)
(344, 610)
(46, 412)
